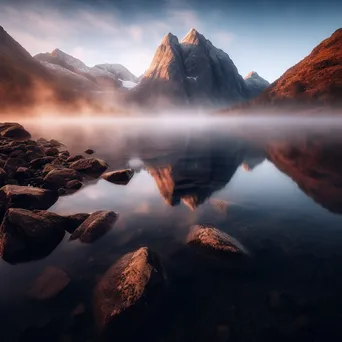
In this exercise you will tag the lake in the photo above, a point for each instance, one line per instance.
(273, 185)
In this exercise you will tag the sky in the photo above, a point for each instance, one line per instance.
(266, 36)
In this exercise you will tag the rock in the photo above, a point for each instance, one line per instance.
(47, 168)
(55, 143)
(129, 284)
(26, 197)
(59, 178)
(52, 151)
(26, 235)
(69, 223)
(74, 158)
(14, 131)
(90, 166)
(215, 240)
(64, 155)
(95, 226)
(89, 151)
(74, 185)
(3, 177)
(23, 173)
(49, 284)
(119, 177)
(40, 162)
(13, 164)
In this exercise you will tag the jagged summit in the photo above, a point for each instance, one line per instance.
(255, 83)
(193, 37)
(169, 39)
(252, 74)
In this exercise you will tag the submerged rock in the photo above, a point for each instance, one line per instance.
(89, 151)
(49, 284)
(14, 131)
(95, 226)
(26, 197)
(27, 235)
(126, 287)
(119, 177)
(90, 166)
(215, 240)
(58, 178)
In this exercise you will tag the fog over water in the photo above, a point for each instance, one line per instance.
(275, 185)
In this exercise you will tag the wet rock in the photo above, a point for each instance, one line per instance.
(89, 151)
(90, 166)
(26, 235)
(49, 284)
(74, 185)
(40, 162)
(26, 197)
(210, 238)
(64, 155)
(14, 131)
(126, 288)
(69, 223)
(3, 177)
(55, 143)
(121, 177)
(95, 226)
(59, 178)
(22, 174)
(47, 168)
(74, 158)
(13, 164)
(52, 151)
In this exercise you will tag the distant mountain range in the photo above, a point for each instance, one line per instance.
(188, 73)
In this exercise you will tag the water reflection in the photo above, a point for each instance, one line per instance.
(288, 290)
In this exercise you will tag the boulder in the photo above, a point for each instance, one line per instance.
(125, 289)
(14, 131)
(55, 143)
(95, 226)
(49, 284)
(40, 162)
(212, 239)
(74, 185)
(69, 222)
(52, 151)
(90, 166)
(26, 235)
(121, 177)
(22, 174)
(74, 158)
(89, 151)
(12, 164)
(26, 197)
(59, 178)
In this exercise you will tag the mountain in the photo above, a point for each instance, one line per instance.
(99, 77)
(255, 83)
(192, 71)
(316, 80)
(23, 80)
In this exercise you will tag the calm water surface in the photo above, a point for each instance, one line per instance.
(277, 190)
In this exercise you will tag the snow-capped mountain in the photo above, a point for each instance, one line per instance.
(192, 71)
(94, 78)
(255, 83)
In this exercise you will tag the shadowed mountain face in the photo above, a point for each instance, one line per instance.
(317, 79)
(256, 84)
(193, 174)
(192, 71)
(315, 164)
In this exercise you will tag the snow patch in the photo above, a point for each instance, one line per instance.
(128, 84)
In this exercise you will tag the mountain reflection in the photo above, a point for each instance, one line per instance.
(195, 172)
(314, 162)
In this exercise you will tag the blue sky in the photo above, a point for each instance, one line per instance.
(260, 35)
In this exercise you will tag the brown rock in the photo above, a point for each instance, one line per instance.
(40, 162)
(26, 235)
(213, 239)
(52, 151)
(89, 151)
(74, 158)
(90, 166)
(95, 226)
(131, 282)
(14, 131)
(121, 177)
(13, 164)
(59, 178)
(3, 177)
(49, 284)
(74, 185)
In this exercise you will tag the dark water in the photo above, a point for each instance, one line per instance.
(276, 189)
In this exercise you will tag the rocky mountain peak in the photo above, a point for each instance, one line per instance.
(169, 39)
(252, 74)
(193, 37)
